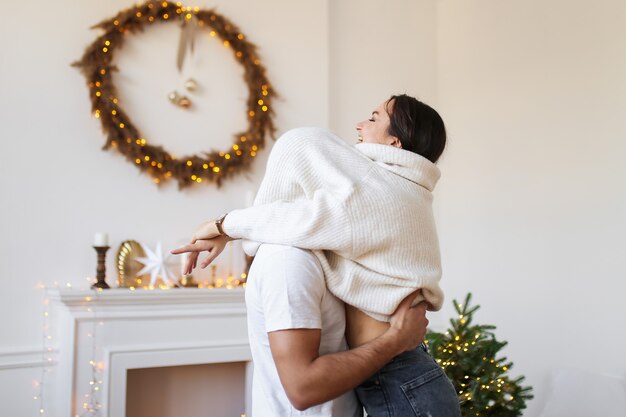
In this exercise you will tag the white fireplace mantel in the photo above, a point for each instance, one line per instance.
(142, 329)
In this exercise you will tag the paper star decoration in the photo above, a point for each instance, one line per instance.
(156, 265)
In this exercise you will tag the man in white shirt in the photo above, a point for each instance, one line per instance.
(296, 330)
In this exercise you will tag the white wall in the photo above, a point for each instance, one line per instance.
(532, 199)
(378, 49)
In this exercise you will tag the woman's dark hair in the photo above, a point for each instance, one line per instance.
(418, 126)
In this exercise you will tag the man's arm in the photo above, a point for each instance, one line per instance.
(310, 379)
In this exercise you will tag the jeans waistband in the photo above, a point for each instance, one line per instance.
(406, 357)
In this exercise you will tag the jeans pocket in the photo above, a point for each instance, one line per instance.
(432, 395)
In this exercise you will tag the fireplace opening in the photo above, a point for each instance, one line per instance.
(216, 389)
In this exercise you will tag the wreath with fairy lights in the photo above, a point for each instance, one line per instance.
(123, 135)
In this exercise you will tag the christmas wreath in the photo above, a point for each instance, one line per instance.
(124, 136)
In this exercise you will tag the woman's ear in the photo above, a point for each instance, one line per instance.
(396, 142)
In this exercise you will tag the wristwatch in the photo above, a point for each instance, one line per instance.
(218, 224)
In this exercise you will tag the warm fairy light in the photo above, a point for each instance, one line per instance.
(166, 16)
(137, 161)
(226, 43)
(251, 113)
(188, 16)
(199, 180)
(147, 158)
(238, 54)
(240, 36)
(97, 114)
(205, 166)
(193, 177)
(98, 93)
(216, 169)
(189, 163)
(227, 156)
(264, 108)
(138, 14)
(212, 33)
(121, 125)
(113, 112)
(243, 139)
(105, 49)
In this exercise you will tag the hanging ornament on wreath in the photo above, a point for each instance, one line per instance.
(122, 135)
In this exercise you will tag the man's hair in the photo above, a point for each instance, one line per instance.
(418, 126)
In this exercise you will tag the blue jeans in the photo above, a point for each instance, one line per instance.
(412, 384)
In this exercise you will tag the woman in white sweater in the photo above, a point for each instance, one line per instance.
(365, 211)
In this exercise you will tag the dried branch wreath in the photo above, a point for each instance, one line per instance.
(122, 135)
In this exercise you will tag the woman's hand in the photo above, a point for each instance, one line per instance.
(213, 246)
(207, 230)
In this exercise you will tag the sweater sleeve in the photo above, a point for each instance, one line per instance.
(318, 223)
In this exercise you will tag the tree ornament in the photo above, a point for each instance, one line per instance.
(184, 102)
(174, 97)
(191, 85)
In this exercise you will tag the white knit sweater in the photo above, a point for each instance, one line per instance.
(364, 210)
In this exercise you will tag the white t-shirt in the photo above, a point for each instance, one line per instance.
(286, 290)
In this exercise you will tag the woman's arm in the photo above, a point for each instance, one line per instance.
(317, 223)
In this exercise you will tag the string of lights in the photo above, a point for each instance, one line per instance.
(91, 402)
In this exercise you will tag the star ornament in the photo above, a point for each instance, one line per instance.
(157, 265)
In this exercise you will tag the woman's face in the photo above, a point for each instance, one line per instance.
(376, 128)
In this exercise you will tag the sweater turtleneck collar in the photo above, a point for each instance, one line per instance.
(407, 164)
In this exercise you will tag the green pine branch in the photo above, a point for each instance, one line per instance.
(469, 355)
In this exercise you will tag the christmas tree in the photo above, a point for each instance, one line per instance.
(467, 353)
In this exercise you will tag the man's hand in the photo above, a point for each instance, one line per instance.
(408, 324)
(214, 246)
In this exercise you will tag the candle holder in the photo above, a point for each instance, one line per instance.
(101, 268)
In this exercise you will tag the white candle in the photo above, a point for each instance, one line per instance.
(101, 239)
